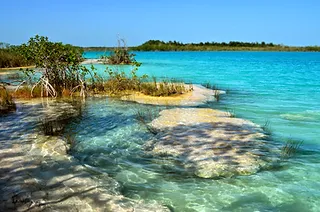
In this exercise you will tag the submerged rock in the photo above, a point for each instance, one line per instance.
(37, 174)
(209, 142)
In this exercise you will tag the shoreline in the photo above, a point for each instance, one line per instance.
(16, 68)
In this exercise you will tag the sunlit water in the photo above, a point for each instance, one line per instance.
(280, 88)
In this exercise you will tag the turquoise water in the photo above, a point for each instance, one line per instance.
(276, 87)
(281, 88)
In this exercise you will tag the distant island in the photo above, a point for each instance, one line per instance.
(158, 45)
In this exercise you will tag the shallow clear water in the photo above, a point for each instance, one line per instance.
(278, 87)
(282, 88)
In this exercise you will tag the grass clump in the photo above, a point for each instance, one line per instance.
(28, 92)
(216, 92)
(163, 88)
(209, 86)
(120, 83)
(266, 127)
(290, 148)
(217, 95)
(146, 116)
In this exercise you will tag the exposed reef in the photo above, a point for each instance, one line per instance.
(210, 143)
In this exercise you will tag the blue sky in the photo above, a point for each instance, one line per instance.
(98, 22)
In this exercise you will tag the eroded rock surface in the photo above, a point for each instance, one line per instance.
(210, 143)
(37, 174)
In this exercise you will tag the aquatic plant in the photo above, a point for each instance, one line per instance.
(231, 113)
(209, 86)
(145, 116)
(290, 148)
(6, 102)
(51, 126)
(70, 140)
(216, 92)
(217, 95)
(266, 127)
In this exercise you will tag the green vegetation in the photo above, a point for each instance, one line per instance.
(59, 73)
(120, 83)
(216, 91)
(10, 56)
(157, 45)
(119, 55)
(59, 64)
(209, 86)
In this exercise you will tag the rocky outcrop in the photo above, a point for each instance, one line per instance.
(199, 95)
(210, 143)
(37, 174)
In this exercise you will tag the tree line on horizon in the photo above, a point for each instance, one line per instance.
(158, 45)
(10, 56)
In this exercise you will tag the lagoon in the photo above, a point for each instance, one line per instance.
(277, 87)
